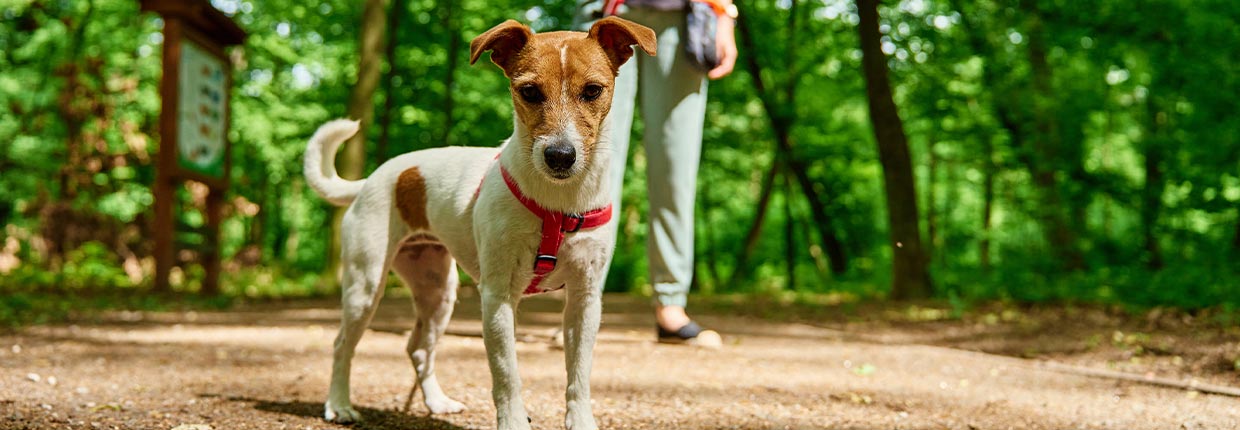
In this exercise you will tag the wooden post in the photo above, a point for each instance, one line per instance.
(211, 254)
(165, 162)
(193, 126)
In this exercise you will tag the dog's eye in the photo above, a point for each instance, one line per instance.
(591, 92)
(531, 94)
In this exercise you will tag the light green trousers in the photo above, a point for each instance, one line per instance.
(673, 106)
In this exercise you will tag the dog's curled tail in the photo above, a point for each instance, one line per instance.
(320, 163)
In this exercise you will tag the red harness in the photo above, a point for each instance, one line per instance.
(554, 225)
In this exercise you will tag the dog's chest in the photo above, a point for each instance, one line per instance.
(533, 248)
(582, 258)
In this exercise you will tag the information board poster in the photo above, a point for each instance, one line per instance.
(202, 111)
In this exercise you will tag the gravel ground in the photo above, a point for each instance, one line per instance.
(266, 367)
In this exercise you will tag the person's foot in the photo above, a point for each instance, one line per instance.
(675, 327)
(671, 317)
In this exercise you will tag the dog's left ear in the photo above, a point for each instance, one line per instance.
(504, 41)
(617, 37)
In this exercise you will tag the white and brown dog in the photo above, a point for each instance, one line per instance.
(521, 219)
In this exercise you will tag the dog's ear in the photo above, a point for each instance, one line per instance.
(617, 37)
(504, 41)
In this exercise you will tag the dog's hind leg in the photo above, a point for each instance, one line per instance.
(365, 262)
(430, 273)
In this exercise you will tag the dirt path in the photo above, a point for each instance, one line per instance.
(267, 368)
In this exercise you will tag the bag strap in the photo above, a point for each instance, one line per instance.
(610, 7)
(721, 9)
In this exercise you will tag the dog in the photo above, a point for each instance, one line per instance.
(522, 219)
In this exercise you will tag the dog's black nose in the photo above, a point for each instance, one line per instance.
(560, 157)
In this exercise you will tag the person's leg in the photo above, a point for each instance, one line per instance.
(677, 92)
(673, 95)
(621, 117)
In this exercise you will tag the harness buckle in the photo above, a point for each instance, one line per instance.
(544, 264)
(581, 221)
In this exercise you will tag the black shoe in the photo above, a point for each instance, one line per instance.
(690, 334)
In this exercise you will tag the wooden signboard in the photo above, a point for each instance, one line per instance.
(193, 125)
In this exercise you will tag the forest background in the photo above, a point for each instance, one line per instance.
(1026, 151)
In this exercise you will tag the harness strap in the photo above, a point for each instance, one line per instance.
(554, 226)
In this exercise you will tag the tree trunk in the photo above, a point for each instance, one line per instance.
(710, 250)
(1105, 154)
(826, 232)
(1150, 207)
(454, 55)
(988, 201)
(1151, 195)
(1047, 157)
(932, 230)
(910, 277)
(389, 54)
(361, 99)
(790, 235)
(781, 124)
(755, 228)
(262, 194)
(361, 107)
(1001, 109)
(1235, 242)
(1035, 148)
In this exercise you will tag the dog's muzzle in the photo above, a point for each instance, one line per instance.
(559, 158)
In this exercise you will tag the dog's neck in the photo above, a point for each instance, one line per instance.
(589, 190)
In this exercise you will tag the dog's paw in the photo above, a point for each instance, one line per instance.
(581, 425)
(343, 414)
(444, 405)
(579, 420)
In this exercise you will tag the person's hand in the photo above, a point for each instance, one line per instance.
(725, 43)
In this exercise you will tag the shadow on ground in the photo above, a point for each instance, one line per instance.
(372, 419)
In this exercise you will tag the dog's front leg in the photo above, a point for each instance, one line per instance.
(499, 304)
(582, 310)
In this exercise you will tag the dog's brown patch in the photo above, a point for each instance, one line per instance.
(411, 199)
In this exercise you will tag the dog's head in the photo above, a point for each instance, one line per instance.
(561, 85)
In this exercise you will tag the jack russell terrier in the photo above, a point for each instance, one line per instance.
(522, 218)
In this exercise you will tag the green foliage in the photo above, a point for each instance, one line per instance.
(41, 307)
(1108, 121)
(90, 266)
(267, 283)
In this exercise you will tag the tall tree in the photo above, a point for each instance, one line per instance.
(399, 8)
(454, 59)
(1002, 111)
(988, 200)
(1048, 154)
(790, 235)
(754, 233)
(1155, 182)
(1028, 111)
(361, 107)
(361, 99)
(932, 228)
(1235, 241)
(910, 276)
(780, 108)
